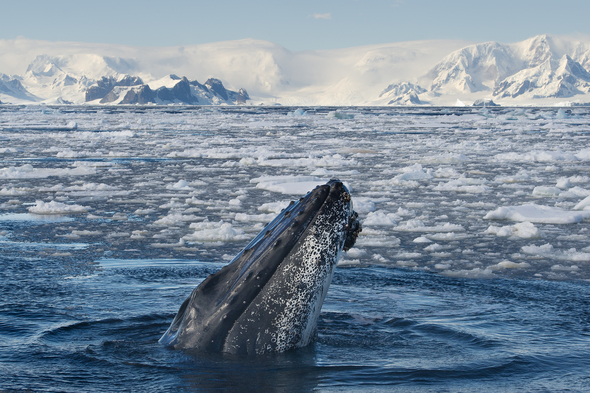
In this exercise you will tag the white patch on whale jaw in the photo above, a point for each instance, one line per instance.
(297, 324)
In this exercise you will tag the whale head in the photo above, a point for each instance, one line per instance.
(269, 297)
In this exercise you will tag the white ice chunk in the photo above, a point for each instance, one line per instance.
(445, 158)
(264, 218)
(523, 230)
(435, 247)
(464, 184)
(176, 218)
(521, 176)
(236, 202)
(27, 171)
(214, 232)
(509, 265)
(290, 185)
(14, 191)
(473, 273)
(563, 183)
(363, 205)
(542, 191)
(339, 115)
(355, 253)
(380, 218)
(548, 251)
(54, 207)
(419, 226)
(537, 214)
(181, 185)
(537, 156)
(584, 204)
(274, 207)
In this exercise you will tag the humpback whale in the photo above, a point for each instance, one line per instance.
(268, 298)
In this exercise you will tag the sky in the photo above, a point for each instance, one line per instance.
(301, 25)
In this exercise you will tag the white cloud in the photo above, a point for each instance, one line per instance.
(322, 16)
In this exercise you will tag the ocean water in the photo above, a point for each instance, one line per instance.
(471, 272)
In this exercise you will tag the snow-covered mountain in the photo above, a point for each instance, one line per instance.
(534, 70)
(168, 90)
(541, 70)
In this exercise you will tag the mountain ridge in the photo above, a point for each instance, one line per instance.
(543, 70)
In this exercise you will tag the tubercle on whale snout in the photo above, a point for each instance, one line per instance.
(352, 231)
(353, 228)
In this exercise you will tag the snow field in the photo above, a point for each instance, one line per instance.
(465, 193)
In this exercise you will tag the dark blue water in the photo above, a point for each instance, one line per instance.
(380, 329)
(85, 297)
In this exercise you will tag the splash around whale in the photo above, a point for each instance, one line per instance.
(268, 298)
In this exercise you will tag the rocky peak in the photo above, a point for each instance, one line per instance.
(538, 51)
(106, 84)
(398, 89)
(474, 68)
(568, 66)
(216, 86)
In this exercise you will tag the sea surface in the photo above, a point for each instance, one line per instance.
(471, 273)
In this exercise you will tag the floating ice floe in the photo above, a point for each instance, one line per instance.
(419, 226)
(543, 156)
(575, 192)
(537, 214)
(335, 160)
(411, 176)
(27, 171)
(473, 273)
(181, 185)
(446, 158)
(14, 191)
(509, 265)
(363, 205)
(206, 232)
(54, 207)
(339, 115)
(521, 176)
(90, 189)
(69, 153)
(464, 184)
(583, 205)
(524, 230)
(447, 236)
(297, 112)
(355, 253)
(289, 185)
(557, 192)
(264, 218)
(543, 191)
(380, 218)
(274, 207)
(548, 251)
(176, 218)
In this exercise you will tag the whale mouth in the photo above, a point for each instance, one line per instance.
(213, 308)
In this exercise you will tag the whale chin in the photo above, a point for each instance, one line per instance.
(269, 297)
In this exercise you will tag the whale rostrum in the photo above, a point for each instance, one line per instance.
(269, 297)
